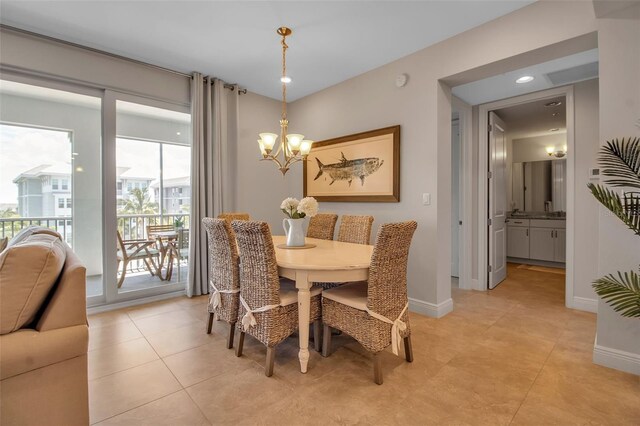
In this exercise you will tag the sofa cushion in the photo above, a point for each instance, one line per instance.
(28, 349)
(28, 271)
(25, 233)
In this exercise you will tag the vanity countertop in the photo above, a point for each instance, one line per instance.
(534, 215)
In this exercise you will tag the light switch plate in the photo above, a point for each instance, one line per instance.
(426, 199)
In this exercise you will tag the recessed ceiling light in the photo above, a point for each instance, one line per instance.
(554, 129)
(285, 79)
(525, 79)
(553, 104)
(178, 133)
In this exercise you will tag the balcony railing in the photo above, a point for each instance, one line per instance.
(134, 226)
(131, 226)
(9, 227)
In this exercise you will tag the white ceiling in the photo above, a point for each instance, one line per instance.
(535, 119)
(504, 86)
(236, 41)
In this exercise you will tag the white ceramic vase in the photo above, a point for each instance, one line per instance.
(294, 231)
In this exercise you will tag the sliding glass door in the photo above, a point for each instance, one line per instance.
(50, 167)
(152, 199)
(109, 171)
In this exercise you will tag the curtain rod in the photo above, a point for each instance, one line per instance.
(232, 87)
(112, 55)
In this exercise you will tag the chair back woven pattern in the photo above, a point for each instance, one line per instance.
(387, 290)
(230, 217)
(355, 229)
(322, 226)
(259, 281)
(223, 266)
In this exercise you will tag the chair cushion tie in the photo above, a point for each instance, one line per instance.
(397, 327)
(215, 300)
(248, 320)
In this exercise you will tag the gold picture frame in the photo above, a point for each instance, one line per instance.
(364, 167)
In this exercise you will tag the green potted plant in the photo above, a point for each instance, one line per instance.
(620, 162)
(178, 223)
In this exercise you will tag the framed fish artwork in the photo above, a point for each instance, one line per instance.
(361, 167)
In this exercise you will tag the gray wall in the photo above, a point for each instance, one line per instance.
(423, 108)
(259, 186)
(73, 64)
(619, 248)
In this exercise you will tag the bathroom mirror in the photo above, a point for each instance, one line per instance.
(539, 186)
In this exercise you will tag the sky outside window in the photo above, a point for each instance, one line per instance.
(23, 148)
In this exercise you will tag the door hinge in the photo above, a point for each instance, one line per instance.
(489, 222)
(490, 268)
(489, 128)
(490, 175)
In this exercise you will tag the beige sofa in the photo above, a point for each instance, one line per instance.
(44, 336)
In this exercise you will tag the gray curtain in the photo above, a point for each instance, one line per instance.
(214, 120)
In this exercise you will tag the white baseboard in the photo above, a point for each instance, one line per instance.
(128, 303)
(614, 358)
(584, 304)
(431, 309)
(475, 284)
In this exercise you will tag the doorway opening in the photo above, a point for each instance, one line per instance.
(527, 200)
(498, 147)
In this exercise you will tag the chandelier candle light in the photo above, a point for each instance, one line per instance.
(293, 146)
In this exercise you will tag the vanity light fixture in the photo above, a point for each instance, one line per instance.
(525, 79)
(558, 153)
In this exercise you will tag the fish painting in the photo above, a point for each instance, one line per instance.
(349, 169)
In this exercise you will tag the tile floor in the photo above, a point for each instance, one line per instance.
(514, 355)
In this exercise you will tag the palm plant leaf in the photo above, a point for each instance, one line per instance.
(620, 159)
(621, 292)
(612, 201)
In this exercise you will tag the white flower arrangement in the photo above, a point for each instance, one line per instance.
(295, 209)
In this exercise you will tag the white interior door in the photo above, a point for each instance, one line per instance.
(497, 201)
(455, 199)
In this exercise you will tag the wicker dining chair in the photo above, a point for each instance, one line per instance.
(355, 229)
(374, 312)
(268, 308)
(223, 274)
(230, 217)
(322, 226)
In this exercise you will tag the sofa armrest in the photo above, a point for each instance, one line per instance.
(27, 349)
(67, 306)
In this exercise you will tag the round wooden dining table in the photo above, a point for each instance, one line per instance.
(328, 261)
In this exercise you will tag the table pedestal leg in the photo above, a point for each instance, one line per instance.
(304, 307)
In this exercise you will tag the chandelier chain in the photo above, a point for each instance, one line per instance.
(284, 74)
(294, 147)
